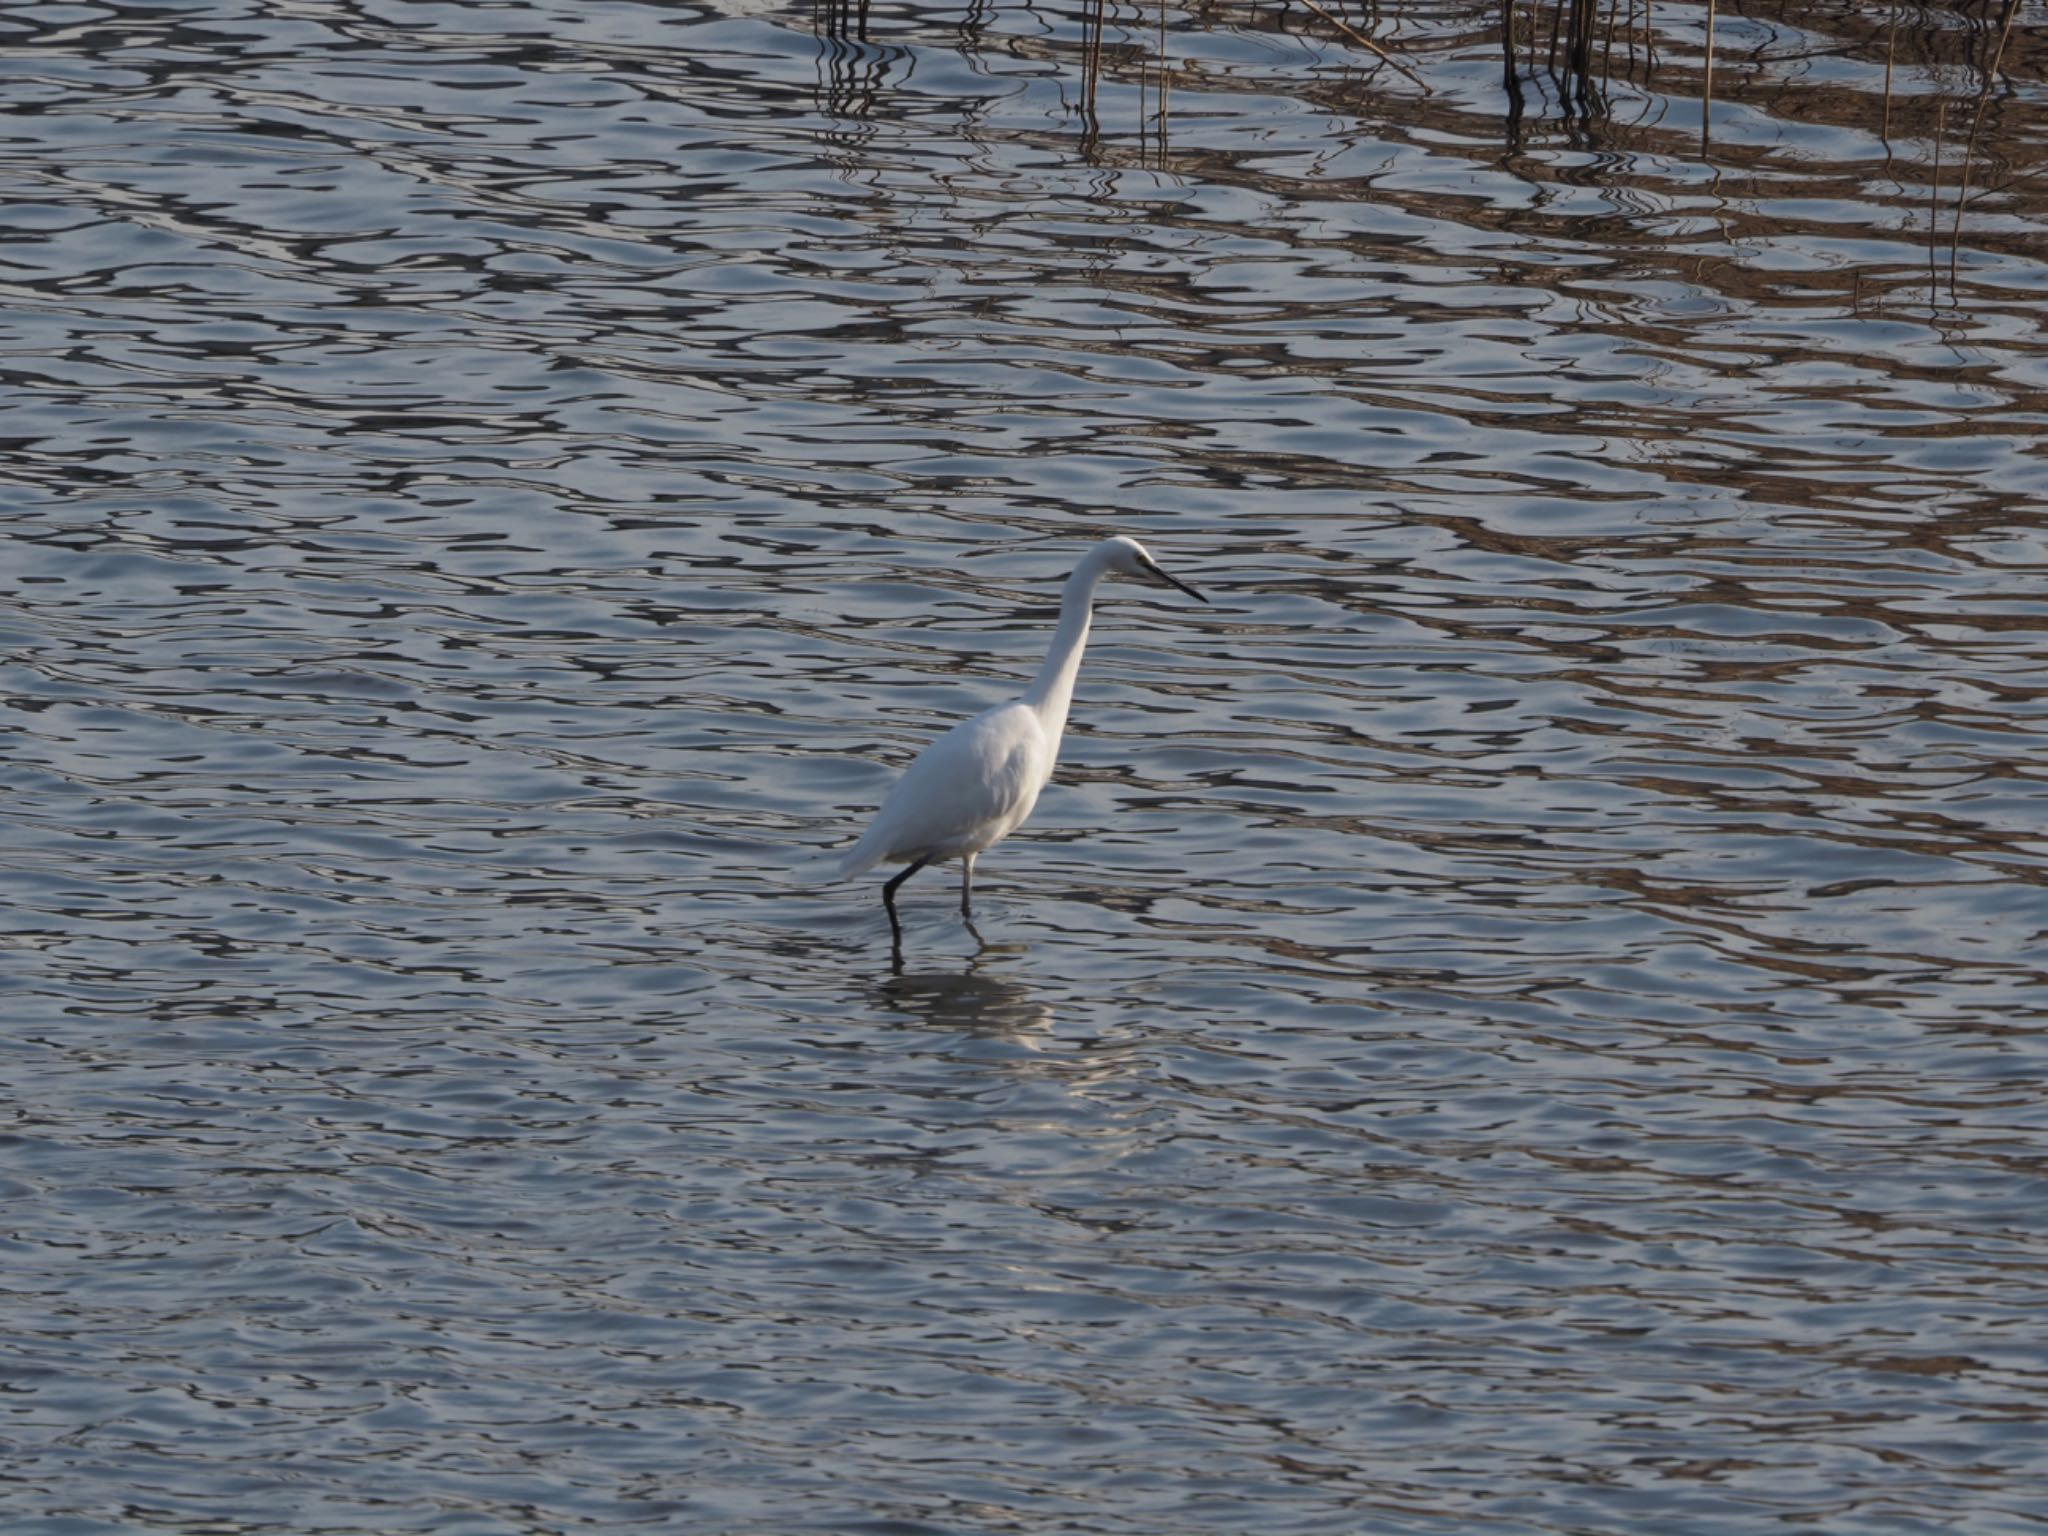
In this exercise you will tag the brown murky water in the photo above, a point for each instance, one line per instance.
(1525, 1016)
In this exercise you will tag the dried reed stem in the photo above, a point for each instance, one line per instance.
(1091, 52)
(1707, 82)
(1891, 49)
(1510, 77)
(1365, 42)
(1970, 145)
(1580, 54)
(1163, 77)
(1934, 202)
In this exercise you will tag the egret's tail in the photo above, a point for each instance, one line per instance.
(861, 857)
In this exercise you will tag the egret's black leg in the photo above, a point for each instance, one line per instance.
(967, 888)
(889, 898)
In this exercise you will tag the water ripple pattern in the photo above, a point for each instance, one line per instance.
(1527, 1016)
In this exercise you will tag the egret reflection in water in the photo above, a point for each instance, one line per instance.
(973, 999)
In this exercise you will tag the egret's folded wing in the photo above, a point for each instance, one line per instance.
(980, 776)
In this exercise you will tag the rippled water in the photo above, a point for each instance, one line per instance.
(1526, 1015)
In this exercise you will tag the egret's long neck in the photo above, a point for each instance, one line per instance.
(1053, 689)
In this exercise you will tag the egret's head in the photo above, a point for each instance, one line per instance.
(1127, 557)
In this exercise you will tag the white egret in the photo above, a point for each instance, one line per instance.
(975, 785)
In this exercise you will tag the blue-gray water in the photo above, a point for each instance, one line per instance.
(1525, 1016)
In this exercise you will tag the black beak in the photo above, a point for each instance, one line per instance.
(1172, 581)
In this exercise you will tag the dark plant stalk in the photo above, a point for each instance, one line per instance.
(1144, 82)
(1934, 203)
(1091, 52)
(1163, 76)
(1970, 144)
(1891, 49)
(1707, 83)
(1580, 56)
(1511, 79)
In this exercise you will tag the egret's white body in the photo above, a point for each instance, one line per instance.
(976, 784)
(967, 791)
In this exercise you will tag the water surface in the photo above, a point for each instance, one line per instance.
(1523, 1016)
